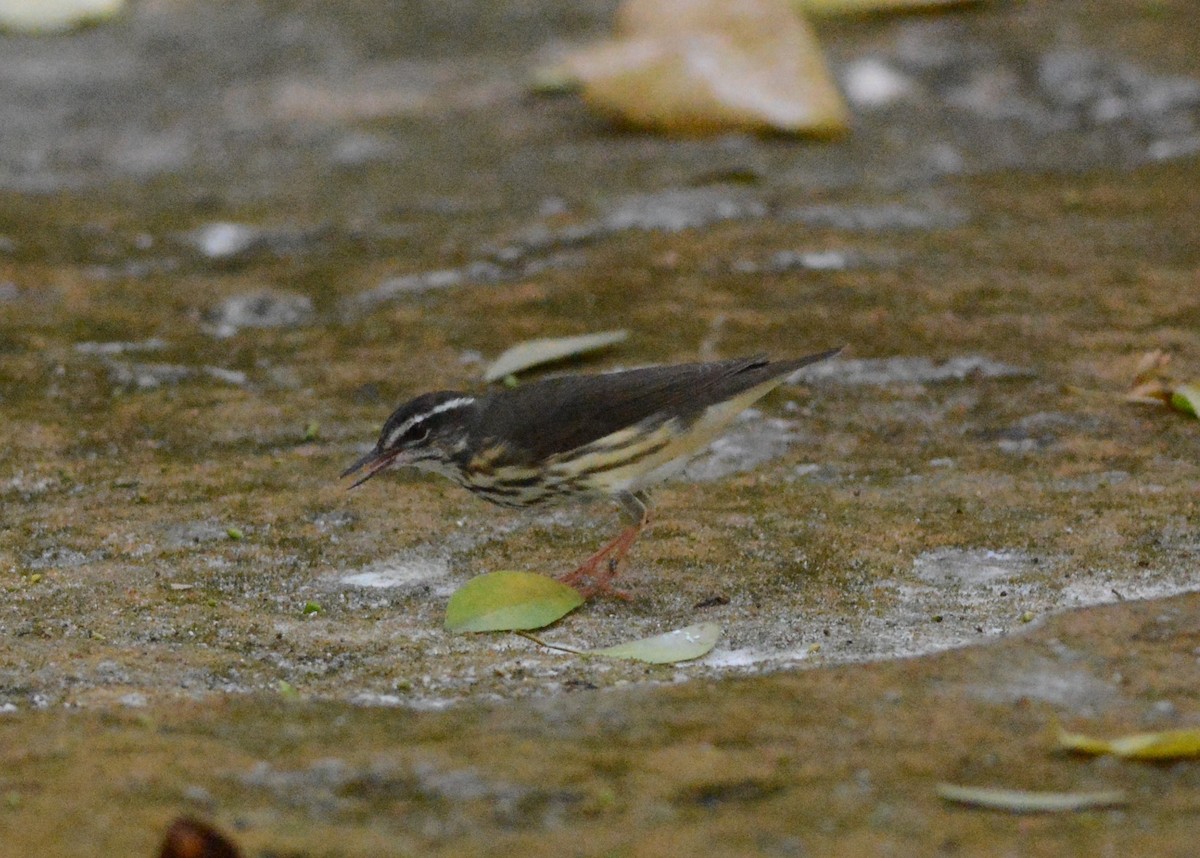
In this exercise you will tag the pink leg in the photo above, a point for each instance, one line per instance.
(591, 578)
(601, 579)
(597, 579)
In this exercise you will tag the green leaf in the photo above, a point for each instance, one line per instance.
(1186, 398)
(533, 352)
(1029, 801)
(508, 601)
(680, 645)
(312, 608)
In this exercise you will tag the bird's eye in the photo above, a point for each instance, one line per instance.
(417, 435)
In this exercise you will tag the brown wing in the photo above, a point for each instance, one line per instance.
(559, 414)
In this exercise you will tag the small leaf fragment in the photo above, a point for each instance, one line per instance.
(234, 533)
(1164, 745)
(1152, 392)
(509, 601)
(679, 645)
(1186, 398)
(54, 16)
(312, 608)
(532, 353)
(552, 79)
(1029, 801)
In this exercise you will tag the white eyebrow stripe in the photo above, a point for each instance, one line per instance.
(440, 408)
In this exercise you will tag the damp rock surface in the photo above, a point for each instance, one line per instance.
(233, 237)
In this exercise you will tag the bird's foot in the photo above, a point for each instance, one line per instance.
(595, 575)
(601, 585)
(606, 590)
(590, 581)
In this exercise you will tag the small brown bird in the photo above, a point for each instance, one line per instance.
(576, 438)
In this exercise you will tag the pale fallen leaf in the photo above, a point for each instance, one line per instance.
(532, 353)
(1152, 392)
(679, 645)
(1163, 745)
(1029, 801)
(706, 66)
(509, 601)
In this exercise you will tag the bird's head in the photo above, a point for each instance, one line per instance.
(424, 433)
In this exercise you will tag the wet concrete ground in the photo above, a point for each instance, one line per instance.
(211, 294)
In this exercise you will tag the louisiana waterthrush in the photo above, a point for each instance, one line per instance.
(576, 438)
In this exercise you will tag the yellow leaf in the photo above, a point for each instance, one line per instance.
(1083, 744)
(1165, 745)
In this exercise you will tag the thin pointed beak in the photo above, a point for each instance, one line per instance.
(374, 461)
